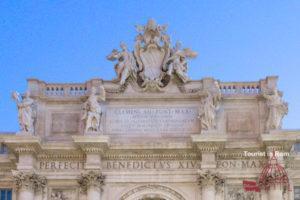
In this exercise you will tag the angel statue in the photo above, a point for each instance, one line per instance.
(126, 65)
(178, 62)
(26, 112)
(92, 111)
(277, 108)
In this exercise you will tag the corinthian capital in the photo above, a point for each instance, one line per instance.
(208, 177)
(29, 180)
(91, 179)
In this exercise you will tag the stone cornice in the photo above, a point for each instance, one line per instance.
(23, 144)
(150, 156)
(209, 142)
(92, 144)
(58, 156)
(280, 140)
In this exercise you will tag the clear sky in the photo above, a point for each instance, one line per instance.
(67, 41)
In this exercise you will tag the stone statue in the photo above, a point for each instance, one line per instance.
(153, 61)
(178, 62)
(26, 112)
(209, 107)
(207, 113)
(92, 111)
(277, 108)
(126, 65)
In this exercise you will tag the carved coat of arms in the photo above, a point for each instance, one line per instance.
(153, 62)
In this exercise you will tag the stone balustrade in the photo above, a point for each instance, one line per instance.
(59, 90)
(244, 88)
(56, 90)
(63, 90)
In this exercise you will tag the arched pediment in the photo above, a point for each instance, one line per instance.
(152, 192)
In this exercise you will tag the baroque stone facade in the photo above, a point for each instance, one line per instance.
(150, 134)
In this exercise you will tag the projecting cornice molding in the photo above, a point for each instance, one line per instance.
(209, 142)
(92, 144)
(280, 140)
(23, 144)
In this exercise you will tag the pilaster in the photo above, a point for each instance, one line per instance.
(90, 182)
(93, 147)
(29, 185)
(208, 145)
(211, 183)
(26, 148)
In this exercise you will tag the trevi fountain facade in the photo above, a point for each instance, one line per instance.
(150, 134)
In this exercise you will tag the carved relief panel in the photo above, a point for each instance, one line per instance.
(236, 192)
(63, 194)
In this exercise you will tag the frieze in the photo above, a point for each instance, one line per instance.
(61, 165)
(149, 164)
(240, 164)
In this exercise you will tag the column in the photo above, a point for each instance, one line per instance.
(91, 183)
(210, 183)
(27, 184)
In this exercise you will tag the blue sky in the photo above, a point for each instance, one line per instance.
(67, 41)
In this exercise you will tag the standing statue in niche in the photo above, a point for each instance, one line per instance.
(26, 112)
(178, 61)
(126, 65)
(209, 107)
(92, 111)
(277, 108)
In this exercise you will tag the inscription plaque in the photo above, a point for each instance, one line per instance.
(152, 120)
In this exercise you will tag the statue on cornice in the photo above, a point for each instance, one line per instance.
(277, 108)
(92, 110)
(26, 112)
(178, 61)
(126, 65)
(209, 107)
